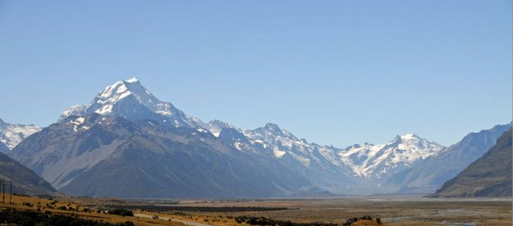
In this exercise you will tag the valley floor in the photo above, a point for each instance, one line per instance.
(390, 210)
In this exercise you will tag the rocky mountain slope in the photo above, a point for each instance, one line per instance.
(3, 148)
(24, 180)
(489, 176)
(429, 175)
(12, 134)
(107, 156)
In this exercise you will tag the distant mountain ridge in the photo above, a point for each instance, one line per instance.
(125, 120)
(489, 176)
(377, 161)
(12, 134)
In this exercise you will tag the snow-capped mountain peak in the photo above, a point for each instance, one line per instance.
(271, 130)
(407, 137)
(370, 160)
(415, 143)
(122, 89)
(132, 80)
(216, 126)
(131, 100)
(273, 127)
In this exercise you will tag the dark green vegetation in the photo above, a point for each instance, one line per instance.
(210, 209)
(489, 176)
(24, 180)
(263, 221)
(33, 218)
(122, 212)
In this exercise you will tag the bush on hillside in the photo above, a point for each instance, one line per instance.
(122, 212)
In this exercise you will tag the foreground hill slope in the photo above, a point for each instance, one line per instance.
(489, 176)
(24, 180)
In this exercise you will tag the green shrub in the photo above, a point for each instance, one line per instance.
(122, 212)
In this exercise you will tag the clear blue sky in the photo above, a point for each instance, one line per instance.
(333, 72)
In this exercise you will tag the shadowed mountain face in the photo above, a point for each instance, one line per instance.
(24, 180)
(3, 148)
(429, 175)
(489, 176)
(104, 156)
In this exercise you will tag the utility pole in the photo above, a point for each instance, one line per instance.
(10, 192)
(3, 191)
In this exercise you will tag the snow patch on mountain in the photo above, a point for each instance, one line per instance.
(278, 153)
(216, 126)
(77, 124)
(73, 110)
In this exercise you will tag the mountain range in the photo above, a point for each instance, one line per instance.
(128, 143)
(106, 156)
